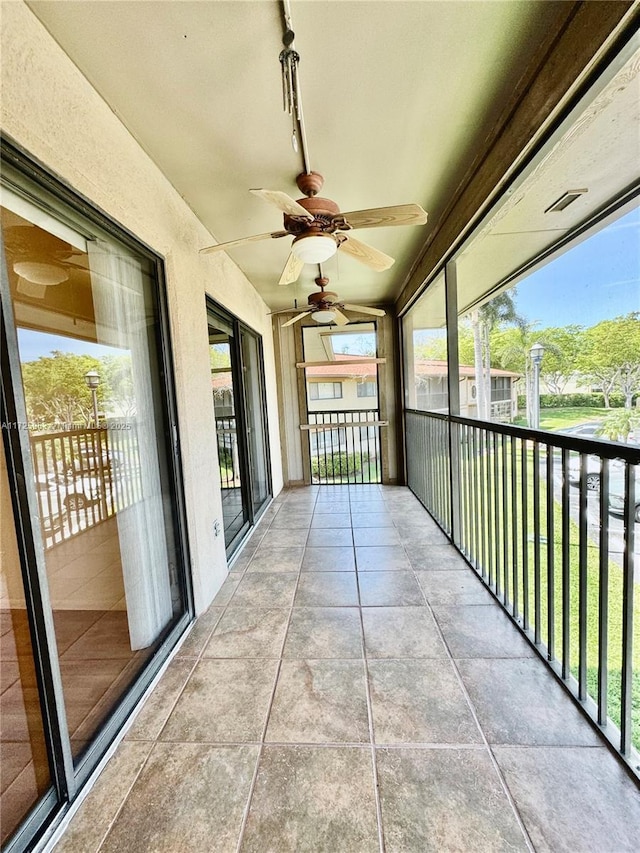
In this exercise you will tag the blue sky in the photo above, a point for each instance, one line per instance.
(596, 280)
(34, 344)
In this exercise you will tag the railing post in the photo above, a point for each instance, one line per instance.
(453, 382)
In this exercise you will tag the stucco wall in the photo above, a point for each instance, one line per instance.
(51, 110)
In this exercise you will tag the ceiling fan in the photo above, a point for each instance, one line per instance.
(39, 259)
(325, 307)
(319, 228)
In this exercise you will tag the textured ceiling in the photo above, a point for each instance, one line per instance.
(398, 98)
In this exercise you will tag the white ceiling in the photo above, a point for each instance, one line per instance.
(398, 97)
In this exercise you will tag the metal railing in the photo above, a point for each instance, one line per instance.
(228, 458)
(548, 523)
(83, 477)
(345, 446)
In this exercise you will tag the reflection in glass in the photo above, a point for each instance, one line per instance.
(222, 356)
(85, 308)
(256, 419)
(23, 754)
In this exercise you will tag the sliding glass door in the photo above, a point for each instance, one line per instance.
(94, 590)
(237, 383)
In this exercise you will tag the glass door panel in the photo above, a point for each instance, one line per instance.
(256, 420)
(26, 775)
(88, 332)
(224, 382)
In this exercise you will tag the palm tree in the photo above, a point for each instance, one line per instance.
(501, 309)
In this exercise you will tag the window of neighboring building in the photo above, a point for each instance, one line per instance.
(500, 388)
(325, 390)
(328, 439)
(367, 389)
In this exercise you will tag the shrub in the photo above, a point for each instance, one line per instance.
(338, 465)
(570, 401)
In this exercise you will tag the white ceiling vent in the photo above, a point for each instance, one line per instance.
(565, 200)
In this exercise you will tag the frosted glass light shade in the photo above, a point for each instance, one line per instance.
(314, 249)
(39, 273)
(324, 316)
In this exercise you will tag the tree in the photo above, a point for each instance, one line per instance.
(435, 349)
(500, 310)
(618, 424)
(610, 356)
(562, 347)
(55, 388)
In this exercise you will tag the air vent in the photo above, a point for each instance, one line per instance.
(565, 200)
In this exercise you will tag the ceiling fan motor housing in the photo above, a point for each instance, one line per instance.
(323, 298)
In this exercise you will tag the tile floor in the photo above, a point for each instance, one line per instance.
(354, 688)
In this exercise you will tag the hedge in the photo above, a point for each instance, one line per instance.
(570, 401)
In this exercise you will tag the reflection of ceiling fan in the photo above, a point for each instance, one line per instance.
(39, 259)
(324, 307)
(318, 228)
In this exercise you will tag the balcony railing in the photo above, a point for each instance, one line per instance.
(228, 458)
(548, 522)
(345, 446)
(84, 477)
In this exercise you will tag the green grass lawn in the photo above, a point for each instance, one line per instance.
(555, 419)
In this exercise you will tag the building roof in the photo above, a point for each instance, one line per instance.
(221, 381)
(435, 367)
(423, 367)
(342, 368)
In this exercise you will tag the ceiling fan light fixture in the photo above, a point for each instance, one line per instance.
(40, 273)
(324, 315)
(314, 248)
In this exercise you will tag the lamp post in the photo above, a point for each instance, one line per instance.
(92, 378)
(536, 352)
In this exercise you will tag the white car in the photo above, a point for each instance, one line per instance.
(57, 493)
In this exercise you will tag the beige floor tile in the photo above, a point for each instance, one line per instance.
(436, 800)
(324, 632)
(224, 701)
(189, 797)
(313, 800)
(319, 701)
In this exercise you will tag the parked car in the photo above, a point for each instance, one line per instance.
(592, 473)
(89, 461)
(59, 493)
(616, 494)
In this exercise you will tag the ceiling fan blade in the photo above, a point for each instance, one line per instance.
(295, 319)
(222, 247)
(340, 319)
(367, 255)
(283, 202)
(363, 309)
(379, 217)
(292, 270)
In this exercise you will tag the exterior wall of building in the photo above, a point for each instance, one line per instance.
(349, 399)
(52, 111)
